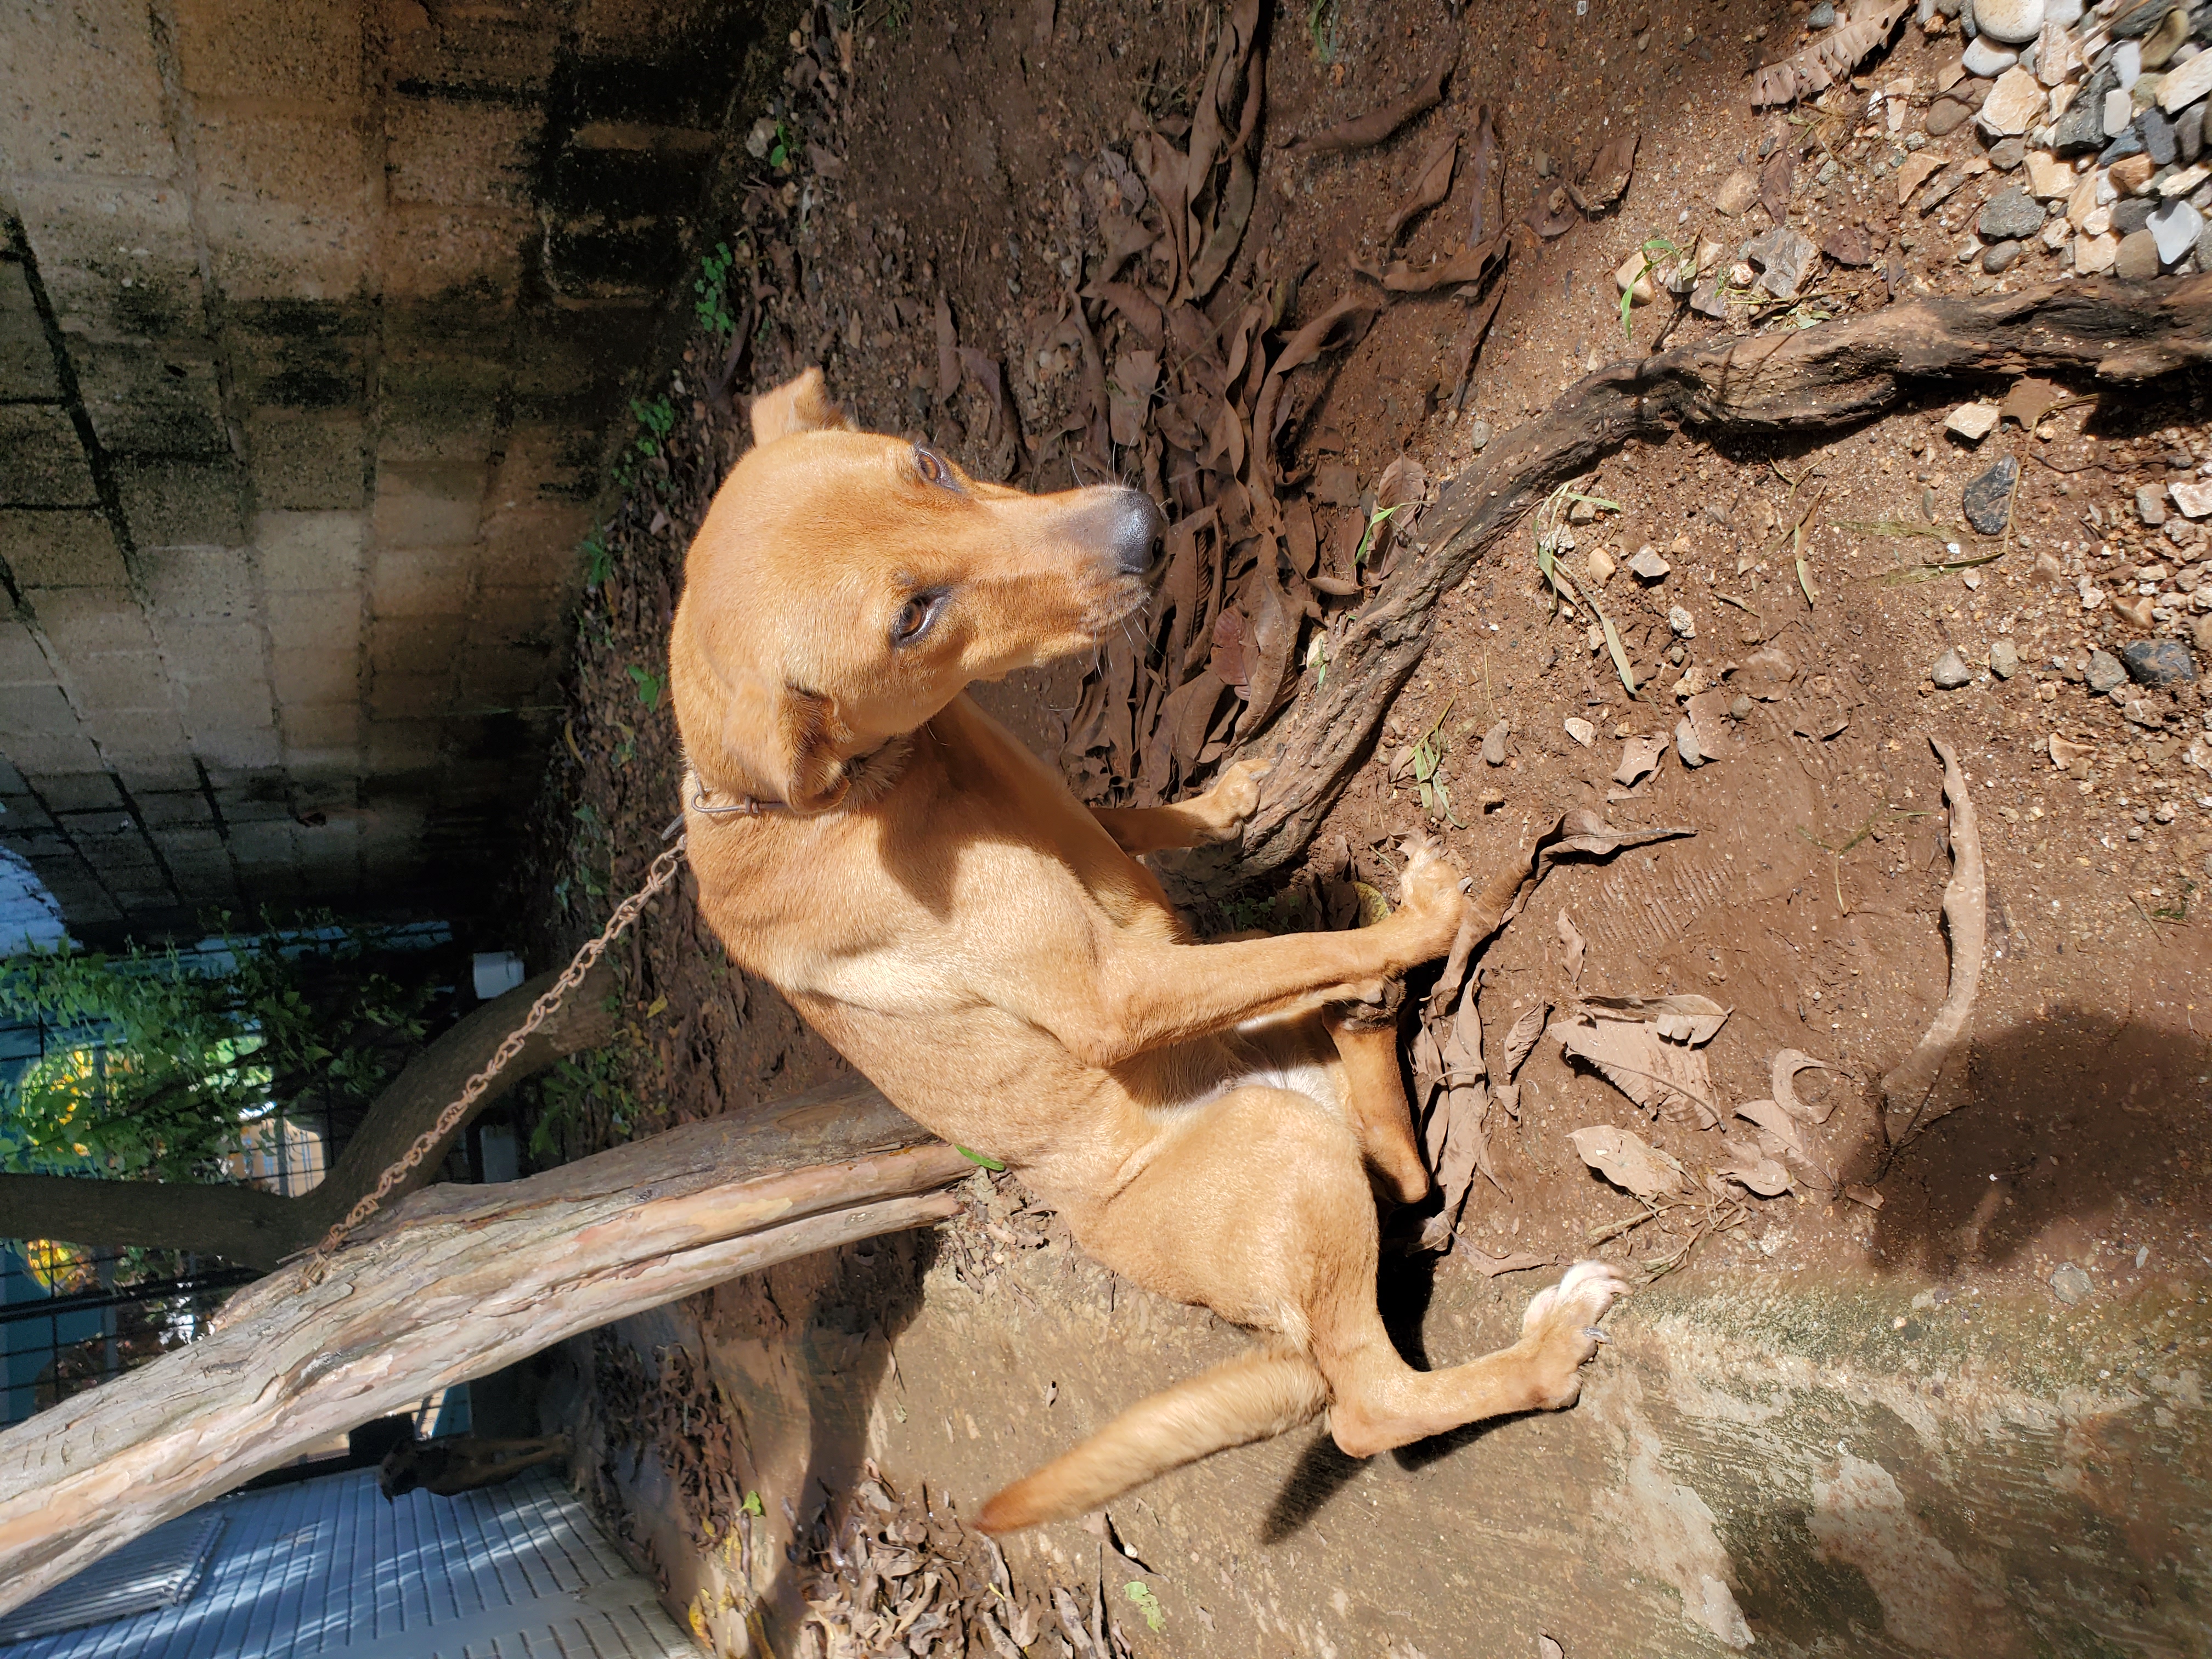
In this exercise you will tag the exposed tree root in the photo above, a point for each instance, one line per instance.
(1814, 380)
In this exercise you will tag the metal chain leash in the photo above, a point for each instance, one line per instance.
(658, 878)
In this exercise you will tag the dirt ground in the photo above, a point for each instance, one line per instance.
(941, 180)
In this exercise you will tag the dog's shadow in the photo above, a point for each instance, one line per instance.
(1403, 1292)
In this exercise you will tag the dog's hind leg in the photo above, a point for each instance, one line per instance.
(1253, 1397)
(1377, 1401)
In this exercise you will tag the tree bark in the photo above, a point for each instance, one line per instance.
(1809, 380)
(258, 1229)
(452, 1283)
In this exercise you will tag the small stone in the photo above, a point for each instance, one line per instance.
(2119, 110)
(1686, 744)
(2010, 214)
(2056, 233)
(2094, 255)
(2015, 21)
(2159, 664)
(2069, 1284)
(2130, 175)
(2014, 104)
(1647, 565)
(2162, 42)
(1785, 255)
(2195, 500)
(1478, 436)
(2049, 177)
(2057, 56)
(2126, 142)
(2189, 133)
(2131, 216)
(2174, 227)
(2127, 64)
(2185, 85)
(1999, 256)
(1973, 422)
(1822, 16)
(1581, 730)
(2007, 154)
(1740, 709)
(2150, 504)
(2004, 660)
(1945, 114)
(2183, 181)
(1682, 622)
(1950, 672)
(1493, 744)
(1985, 59)
(1600, 565)
(1988, 501)
(2137, 261)
(2204, 249)
(2159, 142)
(2104, 671)
(2063, 13)
(1737, 191)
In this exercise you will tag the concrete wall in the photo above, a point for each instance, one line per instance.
(317, 318)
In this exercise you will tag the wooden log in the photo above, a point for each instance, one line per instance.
(1808, 381)
(454, 1283)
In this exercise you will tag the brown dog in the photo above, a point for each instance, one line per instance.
(989, 950)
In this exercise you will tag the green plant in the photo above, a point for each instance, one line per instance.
(1551, 521)
(784, 149)
(991, 1163)
(160, 1065)
(712, 286)
(1147, 1603)
(1652, 244)
(1320, 28)
(1428, 759)
(575, 1095)
(649, 686)
(658, 418)
(1375, 522)
(598, 562)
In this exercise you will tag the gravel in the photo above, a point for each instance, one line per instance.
(1950, 672)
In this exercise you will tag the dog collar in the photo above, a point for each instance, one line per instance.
(868, 777)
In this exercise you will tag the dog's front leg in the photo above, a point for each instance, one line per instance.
(1146, 995)
(1215, 816)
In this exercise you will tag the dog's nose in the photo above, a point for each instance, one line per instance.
(1137, 524)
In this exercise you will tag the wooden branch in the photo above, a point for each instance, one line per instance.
(452, 1283)
(258, 1228)
(1809, 380)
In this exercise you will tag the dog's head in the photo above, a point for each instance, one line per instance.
(846, 586)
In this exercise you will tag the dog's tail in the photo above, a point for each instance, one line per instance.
(1256, 1396)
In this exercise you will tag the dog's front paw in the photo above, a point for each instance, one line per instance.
(1234, 798)
(1559, 1331)
(1433, 892)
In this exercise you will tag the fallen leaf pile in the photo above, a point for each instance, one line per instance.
(900, 1575)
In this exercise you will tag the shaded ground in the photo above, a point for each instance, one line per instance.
(979, 161)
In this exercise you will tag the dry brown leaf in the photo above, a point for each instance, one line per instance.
(1520, 1039)
(1629, 1162)
(1431, 184)
(1639, 756)
(1669, 1079)
(1765, 1175)
(1607, 181)
(1378, 125)
(1683, 1017)
(1774, 181)
(1484, 212)
(1129, 396)
(1768, 1115)
(1573, 940)
(1830, 58)
(1907, 1088)
(1787, 1064)
(948, 352)
(1552, 213)
(1470, 265)
(2028, 399)
(1865, 1196)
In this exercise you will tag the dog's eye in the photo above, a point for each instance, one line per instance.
(932, 466)
(914, 618)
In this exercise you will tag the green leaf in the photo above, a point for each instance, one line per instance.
(991, 1163)
(1614, 649)
(752, 1505)
(1367, 536)
(1147, 1603)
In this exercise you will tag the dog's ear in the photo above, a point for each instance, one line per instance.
(799, 405)
(746, 733)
